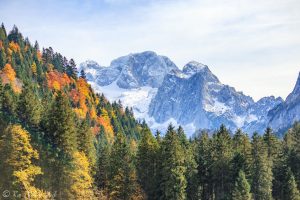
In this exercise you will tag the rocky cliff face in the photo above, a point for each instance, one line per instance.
(286, 113)
(196, 96)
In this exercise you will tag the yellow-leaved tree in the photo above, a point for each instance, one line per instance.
(82, 181)
(16, 167)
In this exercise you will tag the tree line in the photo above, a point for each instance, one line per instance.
(219, 166)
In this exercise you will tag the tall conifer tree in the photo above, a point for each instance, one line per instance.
(123, 180)
(261, 170)
(174, 182)
(148, 163)
(241, 189)
(204, 166)
(221, 154)
(29, 107)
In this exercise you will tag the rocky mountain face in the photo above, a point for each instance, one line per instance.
(132, 71)
(196, 96)
(259, 111)
(287, 112)
(159, 92)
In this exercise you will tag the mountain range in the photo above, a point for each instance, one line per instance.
(161, 93)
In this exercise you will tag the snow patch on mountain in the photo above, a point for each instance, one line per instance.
(216, 107)
(137, 98)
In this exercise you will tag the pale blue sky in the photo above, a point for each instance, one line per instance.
(252, 45)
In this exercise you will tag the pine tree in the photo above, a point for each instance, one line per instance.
(61, 127)
(204, 162)
(221, 154)
(192, 189)
(174, 182)
(279, 179)
(71, 69)
(158, 136)
(241, 189)
(272, 143)
(15, 35)
(291, 191)
(48, 55)
(293, 151)
(2, 32)
(36, 46)
(148, 163)
(237, 164)
(242, 156)
(123, 183)
(61, 136)
(29, 107)
(261, 170)
(159, 158)
(85, 140)
(241, 143)
(2, 58)
(182, 136)
(103, 162)
(82, 74)
(9, 102)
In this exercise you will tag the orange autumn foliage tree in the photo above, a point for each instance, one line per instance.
(83, 87)
(81, 95)
(93, 113)
(9, 72)
(57, 80)
(74, 94)
(14, 47)
(8, 76)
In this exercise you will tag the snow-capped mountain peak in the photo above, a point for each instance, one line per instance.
(90, 64)
(193, 67)
(135, 70)
(159, 92)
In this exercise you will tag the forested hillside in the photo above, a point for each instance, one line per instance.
(60, 140)
(52, 123)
